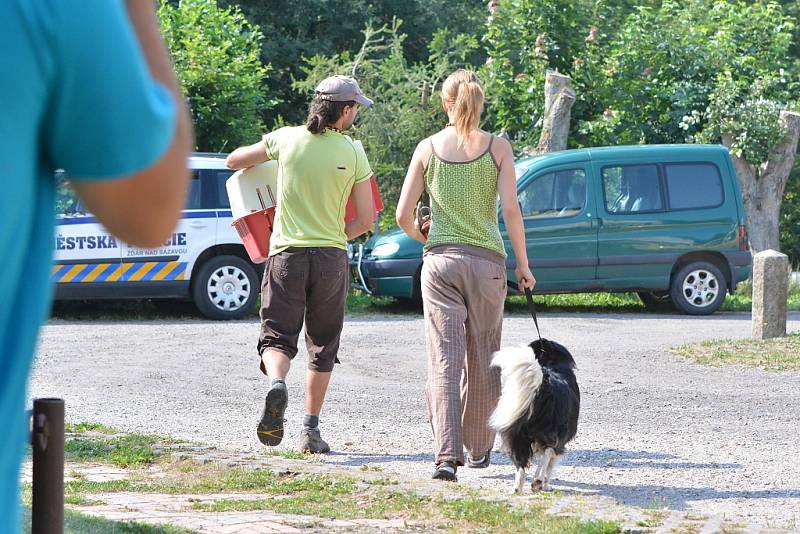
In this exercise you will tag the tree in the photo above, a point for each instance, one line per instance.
(328, 27)
(217, 58)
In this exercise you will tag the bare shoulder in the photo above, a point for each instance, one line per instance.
(501, 148)
(424, 149)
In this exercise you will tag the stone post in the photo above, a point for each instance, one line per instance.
(770, 292)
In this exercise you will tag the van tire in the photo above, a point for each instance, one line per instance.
(226, 287)
(698, 288)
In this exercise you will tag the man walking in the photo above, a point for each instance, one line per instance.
(306, 276)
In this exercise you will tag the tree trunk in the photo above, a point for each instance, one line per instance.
(559, 96)
(763, 185)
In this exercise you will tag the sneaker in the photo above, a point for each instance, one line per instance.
(311, 441)
(479, 463)
(445, 471)
(270, 428)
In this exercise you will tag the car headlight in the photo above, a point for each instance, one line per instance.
(385, 249)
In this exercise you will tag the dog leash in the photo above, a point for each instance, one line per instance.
(532, 309)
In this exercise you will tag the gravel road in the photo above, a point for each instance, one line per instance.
(654, 430)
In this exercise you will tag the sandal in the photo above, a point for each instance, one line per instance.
(479, 463)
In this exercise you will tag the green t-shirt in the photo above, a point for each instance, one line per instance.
(316, 173)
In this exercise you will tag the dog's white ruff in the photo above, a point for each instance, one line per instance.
(521, 376)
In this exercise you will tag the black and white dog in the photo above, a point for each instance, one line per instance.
(537, 414)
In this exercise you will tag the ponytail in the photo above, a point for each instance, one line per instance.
(322, 113)
(463, 95)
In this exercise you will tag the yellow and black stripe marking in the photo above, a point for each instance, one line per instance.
(119, 272)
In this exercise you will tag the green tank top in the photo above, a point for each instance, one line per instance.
(464, 201)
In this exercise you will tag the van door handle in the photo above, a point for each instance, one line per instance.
(597, 222)
(198, 224)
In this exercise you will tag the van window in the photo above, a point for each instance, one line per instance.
(554, 194)
(632, 189)
(693, 185)
(193, 198)
(220, 177)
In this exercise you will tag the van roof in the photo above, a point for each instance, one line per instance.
(207, 160)
(608, 153)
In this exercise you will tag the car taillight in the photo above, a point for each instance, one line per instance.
(742, 238)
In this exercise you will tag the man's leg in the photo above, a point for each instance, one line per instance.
(282, 307)
(276, 364)
(325, 301)
(316, 387)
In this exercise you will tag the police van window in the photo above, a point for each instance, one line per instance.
(193, 198)
(220, 177)
(632, 189)
(693, 185)
(554, 194)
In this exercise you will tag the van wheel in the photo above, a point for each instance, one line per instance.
(698, 288)
(225, 288)
(655, 300)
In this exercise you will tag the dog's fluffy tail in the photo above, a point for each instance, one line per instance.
(522, 377)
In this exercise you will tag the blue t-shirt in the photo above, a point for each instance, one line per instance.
(75, 94)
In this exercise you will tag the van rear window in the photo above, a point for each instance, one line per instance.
(632, 189)
(693, 185)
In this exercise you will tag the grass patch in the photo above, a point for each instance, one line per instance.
(289, 454)
(78, 428)
(335, 497)
(777, 354)
(81, 500)
(742, 299)
(578, 302)
(78, 523)
(124, 451)
(496, 516)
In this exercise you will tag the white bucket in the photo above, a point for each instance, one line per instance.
(249, 189)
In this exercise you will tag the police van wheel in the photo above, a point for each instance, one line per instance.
(225, 287)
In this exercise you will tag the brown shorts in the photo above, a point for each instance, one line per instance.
(308, 283)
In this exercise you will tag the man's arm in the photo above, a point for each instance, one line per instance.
(143, 208)
(365, 210)
(247, 156)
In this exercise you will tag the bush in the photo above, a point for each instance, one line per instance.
(217, 58)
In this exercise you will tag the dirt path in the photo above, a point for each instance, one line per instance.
(655, 431)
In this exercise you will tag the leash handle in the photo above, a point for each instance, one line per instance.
(532, 309)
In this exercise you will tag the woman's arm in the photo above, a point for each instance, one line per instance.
(507, 187)
(413, 186)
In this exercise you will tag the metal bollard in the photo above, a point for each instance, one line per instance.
(47, 440)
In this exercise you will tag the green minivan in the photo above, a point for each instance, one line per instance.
(665, 221)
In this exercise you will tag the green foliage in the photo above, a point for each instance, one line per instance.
(217, 58)
(527, 37)
(656, 72)
(751, 120)
(328, 27)
(401, 117)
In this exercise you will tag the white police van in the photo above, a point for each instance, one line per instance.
(203, 260)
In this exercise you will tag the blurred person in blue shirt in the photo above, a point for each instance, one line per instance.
(88, 87)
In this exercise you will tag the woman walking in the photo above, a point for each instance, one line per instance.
(463, 168)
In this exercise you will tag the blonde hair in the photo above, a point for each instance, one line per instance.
(463, 95)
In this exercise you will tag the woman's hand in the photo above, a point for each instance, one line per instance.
(525, 279)
(421, 234)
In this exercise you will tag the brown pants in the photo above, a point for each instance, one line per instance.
(463, 295)
(304, 285)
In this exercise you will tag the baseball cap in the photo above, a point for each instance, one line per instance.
(342, 89)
